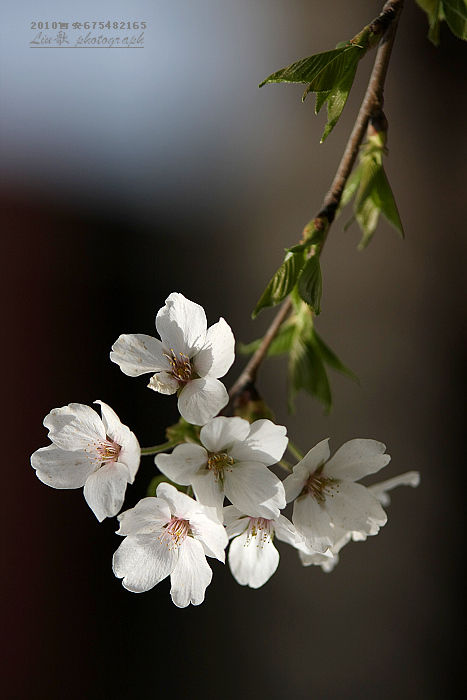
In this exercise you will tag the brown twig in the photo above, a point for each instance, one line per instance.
(371, 105)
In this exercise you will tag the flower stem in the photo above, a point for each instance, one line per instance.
(371, 106)
(293, 449)
(157, 448)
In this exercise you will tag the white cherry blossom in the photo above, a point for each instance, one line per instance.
(330, 558)
(232, 461)
(326, 496)
(169, 535)
(188, 360)
(100, 454)
(253, 558)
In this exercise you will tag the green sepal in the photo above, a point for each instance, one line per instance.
(310, 284)
(161, 479)
(282, 283)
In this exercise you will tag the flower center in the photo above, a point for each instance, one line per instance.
(175, 532)
(218, 462)
(260, 529)
(320, 486)
(108, 450)
(181, 366)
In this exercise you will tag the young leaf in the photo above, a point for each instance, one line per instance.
(279, 346)
(455, 12)
(307, 372)
(282, 283)
(331, 359)
(310, 283)
(307, 69)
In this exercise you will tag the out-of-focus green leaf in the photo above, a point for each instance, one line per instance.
(310, 284)
(307, 372)
(370, 187)
(161, 479)
(455, 12)
(331, 359)
(282, 283)
(279, 346)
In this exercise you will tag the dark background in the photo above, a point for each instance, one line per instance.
(129, 175)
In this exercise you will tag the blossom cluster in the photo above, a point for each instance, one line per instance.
(172, 533)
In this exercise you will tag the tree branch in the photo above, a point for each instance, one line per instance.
(371, 106)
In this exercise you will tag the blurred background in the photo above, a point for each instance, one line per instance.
(128, 174)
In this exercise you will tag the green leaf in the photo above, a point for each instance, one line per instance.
(307, 69)
(282, 283)
(161, 479)
(370, 187)
(310, 283)
(455, 12)
(307, 372)
(313, 233)
(279, 346)
(336, 99)
(384, 198)
(331, 359)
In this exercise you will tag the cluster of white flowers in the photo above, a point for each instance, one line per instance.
(173, 533)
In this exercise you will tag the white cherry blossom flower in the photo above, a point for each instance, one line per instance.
(232, 461)
(100, 454)
(188, 360)
(169, 535)
(253, 558)
(330, 558)
(326, 496)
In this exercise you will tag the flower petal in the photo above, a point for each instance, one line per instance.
(191, 576)
(201, 399)
(285, 531)
(138, 354)
(104, 490)
(220, 433)
(265, 443)
(380, 490)
(313, 522)
(208, 490)
(218, 352)
(149, 515)
(164, 383)
(356, 459)
(212, 535)
(235, 521)
(254, 490)
(130, 453)
(180, 504)
(142, 561)
(181, 325)
(252, 561)
(61, 469)
(183, 463)
(354, 507)
(74, 427)
(295, 482)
